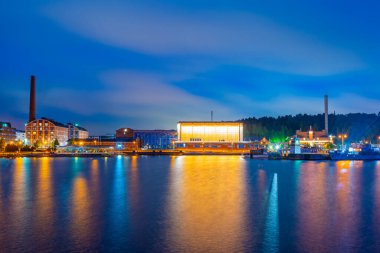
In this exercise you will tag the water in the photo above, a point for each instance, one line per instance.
(188, 204)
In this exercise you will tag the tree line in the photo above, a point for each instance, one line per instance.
(358, 126)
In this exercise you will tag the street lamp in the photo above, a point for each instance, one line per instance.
(342, 136)
(19, 146)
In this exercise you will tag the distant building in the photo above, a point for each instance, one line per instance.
(124, 133)
(150, 139)
(209, 131)
(107, 137)
(45, 131)
(211, 136)
(313, 138)
(20, 136)
(77, 132)
(7, 132)
(109, 144)
(156, 139)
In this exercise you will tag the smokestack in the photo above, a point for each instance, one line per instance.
(212, 115)
(327, 114)
(32, 104)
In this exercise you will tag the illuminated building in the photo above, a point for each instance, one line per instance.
(313, 138)
(96, 144)
(7, 132)
(124, 133)
(149, 139)
(44, 131)
(209, 131)
(77, 132)
(211, 136)
(20, 136)
(155, 139)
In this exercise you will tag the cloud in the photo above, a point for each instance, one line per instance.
(289, 104)
(240, 38)
(141, 98)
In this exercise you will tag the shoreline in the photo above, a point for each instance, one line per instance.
(305, 157)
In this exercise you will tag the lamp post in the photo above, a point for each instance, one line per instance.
(19, 145)
(342, 136)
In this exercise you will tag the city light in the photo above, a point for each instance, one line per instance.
(342, 137)
(210, 131)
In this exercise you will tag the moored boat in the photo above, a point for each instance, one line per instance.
(367, 152)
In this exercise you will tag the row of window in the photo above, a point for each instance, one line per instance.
(40, 124)
(239, 146)
(41, 133)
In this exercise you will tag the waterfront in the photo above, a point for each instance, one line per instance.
(188, 204)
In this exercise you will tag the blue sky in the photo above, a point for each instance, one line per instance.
(148, 64)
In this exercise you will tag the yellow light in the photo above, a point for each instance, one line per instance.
(210, 131)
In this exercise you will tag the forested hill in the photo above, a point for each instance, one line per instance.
(358, 126)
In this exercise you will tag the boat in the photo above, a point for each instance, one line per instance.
(367, 152)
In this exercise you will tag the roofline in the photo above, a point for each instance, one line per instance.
(217, 122)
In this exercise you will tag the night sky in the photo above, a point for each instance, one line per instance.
(147, 64)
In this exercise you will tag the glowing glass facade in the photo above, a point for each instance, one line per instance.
(210, 131)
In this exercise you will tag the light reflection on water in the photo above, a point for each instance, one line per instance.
(207, 199)
(188, 203)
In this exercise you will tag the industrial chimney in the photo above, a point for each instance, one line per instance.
(32, 104)
(327, 114)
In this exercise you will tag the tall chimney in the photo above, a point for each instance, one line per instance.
(212, 115)
(327, 114)
(32, 103)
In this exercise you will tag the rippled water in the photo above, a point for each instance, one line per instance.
(188, 204)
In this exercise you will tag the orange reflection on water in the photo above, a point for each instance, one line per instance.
(81, 219)
(133, 188)
(134, 162)
(44, 197)
(207, 204)
(94, 176)
(18, 204)
(312, 206)
(348, 199)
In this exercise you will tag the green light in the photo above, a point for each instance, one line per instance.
(76, 124)
(5, 124)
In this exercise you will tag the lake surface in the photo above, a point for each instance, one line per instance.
(188, 204)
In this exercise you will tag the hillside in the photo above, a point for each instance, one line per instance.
(358, 126)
